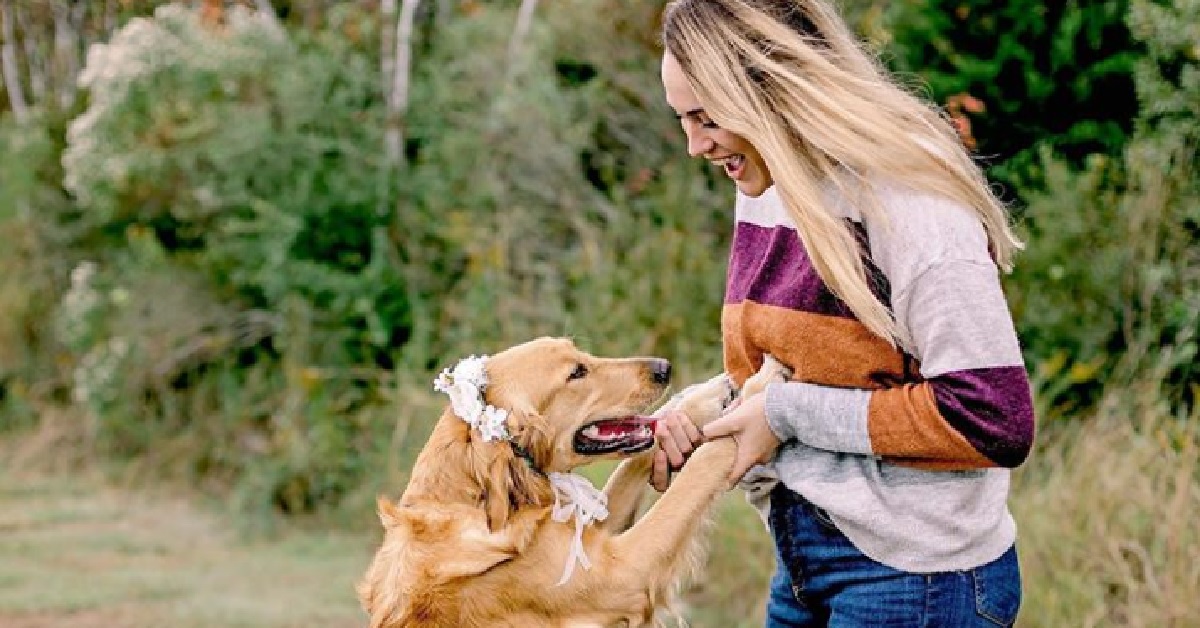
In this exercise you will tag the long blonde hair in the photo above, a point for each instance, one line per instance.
(790, 77)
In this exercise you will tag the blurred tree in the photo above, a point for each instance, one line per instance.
(1054, 73)
(1109, 285)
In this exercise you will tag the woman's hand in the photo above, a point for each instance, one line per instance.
(676, 438)
(747, 424)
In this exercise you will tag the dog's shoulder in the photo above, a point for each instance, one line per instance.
(454, 540)
(429, 550)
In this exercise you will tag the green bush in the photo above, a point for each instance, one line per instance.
(1110, 283)
(234, 216)
(35, 267)
(1048, 73)
(250, 157)
(577, 215)
(246, 259)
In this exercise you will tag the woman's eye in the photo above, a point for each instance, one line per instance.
(580, 372)
(699, 118)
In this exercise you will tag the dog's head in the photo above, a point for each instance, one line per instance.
(568, 407)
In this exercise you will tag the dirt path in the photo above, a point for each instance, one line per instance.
(76, 553)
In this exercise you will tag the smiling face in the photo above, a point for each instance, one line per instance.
(740, 160)
(571, 407)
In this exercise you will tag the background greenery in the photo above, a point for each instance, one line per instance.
(234, 260)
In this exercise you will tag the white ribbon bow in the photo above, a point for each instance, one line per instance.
(575, 495)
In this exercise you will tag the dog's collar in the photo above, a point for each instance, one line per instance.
(525, 455)
(575, 496)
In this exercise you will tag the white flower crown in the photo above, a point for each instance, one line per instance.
(465, 385)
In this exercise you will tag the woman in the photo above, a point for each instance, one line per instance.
(865, 256)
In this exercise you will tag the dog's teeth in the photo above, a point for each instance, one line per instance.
(592, 432)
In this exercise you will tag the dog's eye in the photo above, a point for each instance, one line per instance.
(580, 372)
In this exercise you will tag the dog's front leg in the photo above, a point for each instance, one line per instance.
(671, 524)
(659, 540)
(625, 488)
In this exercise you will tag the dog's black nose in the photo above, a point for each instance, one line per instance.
(660, 370)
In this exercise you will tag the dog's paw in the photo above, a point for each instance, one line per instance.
(716, 457)
(772, 371)
(706, 401)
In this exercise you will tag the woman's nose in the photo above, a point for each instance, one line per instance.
(699, 143)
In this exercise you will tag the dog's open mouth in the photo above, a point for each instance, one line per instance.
(625, 435)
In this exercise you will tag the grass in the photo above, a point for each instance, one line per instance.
(77, 552)
(1108, 513)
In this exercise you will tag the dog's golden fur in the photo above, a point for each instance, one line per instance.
(471, 542)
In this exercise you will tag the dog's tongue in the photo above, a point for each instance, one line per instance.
(626, 435)
(618, 427)
(614, 429)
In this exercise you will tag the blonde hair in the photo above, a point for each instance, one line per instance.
(790, 77)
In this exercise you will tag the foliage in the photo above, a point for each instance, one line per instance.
(231, 216)
(35, 270)
(1047, 73)
(246, 260)
(250, 152)
(574, 200)
(1096, 321)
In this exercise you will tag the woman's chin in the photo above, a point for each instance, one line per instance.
(753, 186)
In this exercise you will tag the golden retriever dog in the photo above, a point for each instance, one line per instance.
(472, 541)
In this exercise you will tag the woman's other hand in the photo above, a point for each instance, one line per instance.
(747, 424)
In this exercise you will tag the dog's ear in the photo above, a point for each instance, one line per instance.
(511, 481)
(531, 433)
(497, 486)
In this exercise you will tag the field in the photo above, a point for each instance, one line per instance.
(74, 551)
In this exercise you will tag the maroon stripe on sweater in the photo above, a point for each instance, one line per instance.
(991, 407)
(769, 265)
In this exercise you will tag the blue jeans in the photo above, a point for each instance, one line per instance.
(823, 580)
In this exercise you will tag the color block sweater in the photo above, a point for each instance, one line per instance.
(907, 449)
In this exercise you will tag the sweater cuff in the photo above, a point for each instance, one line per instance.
(834, 419)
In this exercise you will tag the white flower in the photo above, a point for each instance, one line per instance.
(492, 425)
(82, 274)
(471, 371)
(465, 385)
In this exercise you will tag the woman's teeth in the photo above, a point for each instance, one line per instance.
(733, 164)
